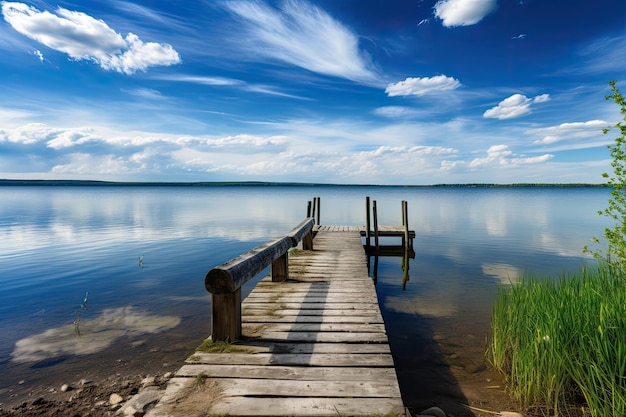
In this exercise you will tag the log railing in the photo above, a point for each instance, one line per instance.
(224, 282)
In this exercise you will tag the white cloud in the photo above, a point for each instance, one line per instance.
(421, 86)
(569, 131)
(397, 112)
(39, 55)
(514, 106)
(303, 35)
(497, 156)
(83, 37)
(463, 12)
(502, 156)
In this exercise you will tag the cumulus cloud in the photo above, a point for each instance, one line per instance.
(498, 156)
(517, 105)
(421, 86)
(463, 12)
(303, 35)
(83, 37)
(569, 131)
(501, 155)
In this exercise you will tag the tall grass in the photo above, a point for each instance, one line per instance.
(556, 340)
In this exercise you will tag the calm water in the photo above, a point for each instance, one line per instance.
(109, 279)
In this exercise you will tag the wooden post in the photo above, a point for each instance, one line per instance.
(367, 221)
(308, 209)
(318, 210)
(375, 214)
(314, 207)
(307, 241)
(226, 316)
(280, 269)
(405, 223)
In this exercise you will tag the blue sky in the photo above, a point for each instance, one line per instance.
(332, 91)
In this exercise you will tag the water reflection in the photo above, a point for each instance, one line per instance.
(505, 274)
(93, 335)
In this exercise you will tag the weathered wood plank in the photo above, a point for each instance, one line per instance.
(263, 310)
(321, 337)
(295, 359)
(290, 372)
(316, 327)
(305, 298)
(244, 406)
(373, 307)
(309, 348)
(232, 387)
(298, 318)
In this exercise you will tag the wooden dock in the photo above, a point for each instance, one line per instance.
(312, 345)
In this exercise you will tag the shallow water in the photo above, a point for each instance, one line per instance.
(110, 279)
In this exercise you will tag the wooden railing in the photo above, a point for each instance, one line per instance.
(224, 282)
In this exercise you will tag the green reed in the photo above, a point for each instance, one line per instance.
(558, 339)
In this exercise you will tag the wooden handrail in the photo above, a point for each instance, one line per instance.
(224, 282)
(231, 275)
(301, 231)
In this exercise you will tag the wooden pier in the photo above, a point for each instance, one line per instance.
(311, 340)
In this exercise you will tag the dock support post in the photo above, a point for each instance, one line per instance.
(307, 241)
(308, 209)
(367, 222)
(318, 210)
(226, 316)
(405, 223)
(280, 269)
(375, 214)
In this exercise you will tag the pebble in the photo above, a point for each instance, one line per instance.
(139, 403)
(115, 399)
(433, 411)
(167, 375)
(147, 381)
(65, 388)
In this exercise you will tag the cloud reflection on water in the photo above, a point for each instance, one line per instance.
(506, 274)
(95, 334)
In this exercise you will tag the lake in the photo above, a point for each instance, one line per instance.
(110, 279)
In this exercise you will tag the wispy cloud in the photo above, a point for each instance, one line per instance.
(463, 12)
(421, 86)
(232, 82)
(517, 105)
(306, 36)
(83, 37)
(606, 55)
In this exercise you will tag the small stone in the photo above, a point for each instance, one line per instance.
(433, 411)
(85, 381)
(147, 381)
(138, 405)
(167, 375)
(65, 388)
(115, 399)
(21, 382)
